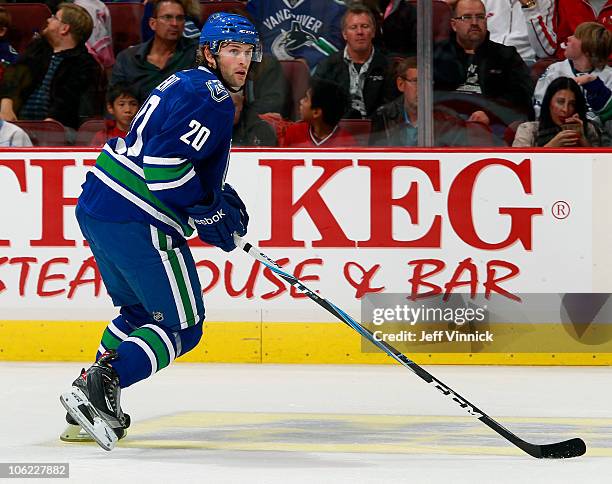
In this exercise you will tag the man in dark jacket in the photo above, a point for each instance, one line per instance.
(144, 66)
(480, 79)
(56, 78)
(360, 69)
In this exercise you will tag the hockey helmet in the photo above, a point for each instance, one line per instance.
(229, 27)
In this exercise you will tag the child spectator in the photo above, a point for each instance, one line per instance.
(8, 55)
(122, 104)
(321, 110)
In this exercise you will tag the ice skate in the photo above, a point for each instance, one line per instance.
(75, 433)
(93, 403)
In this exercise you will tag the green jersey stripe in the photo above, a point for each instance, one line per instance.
(166, 173)
(152, 339)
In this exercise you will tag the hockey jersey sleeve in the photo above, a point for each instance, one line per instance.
(185, 158)
(540, 29)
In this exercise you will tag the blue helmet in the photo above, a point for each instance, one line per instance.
(229, 27)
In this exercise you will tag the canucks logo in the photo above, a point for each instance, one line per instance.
(217, 90)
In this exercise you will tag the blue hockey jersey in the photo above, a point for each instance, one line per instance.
(292, 29)
(175, 153)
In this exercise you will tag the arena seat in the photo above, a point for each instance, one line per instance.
(125, 18)
(88, 130)
(44, 133)
(26, 20)
(209, 7)
(441, 15)
(359, 128)
(297, 75)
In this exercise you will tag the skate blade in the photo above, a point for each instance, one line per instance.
(75, 433)
(76, 404)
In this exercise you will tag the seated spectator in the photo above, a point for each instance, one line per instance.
(587, 55)
(360, 69)
(523, 24)
(481, 79)
(56, 78)
(13, 135)
(100, 42)
(297, 29)
(249, 128)
(399, 28)
(321, 110)
(571, 13)
(395, 123)
(122, 104)
(193, 21)
(145, 65)
(562, 122)
(8, 55)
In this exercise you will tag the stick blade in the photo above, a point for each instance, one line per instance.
(562, 450)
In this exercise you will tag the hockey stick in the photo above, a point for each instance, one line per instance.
(559, 450)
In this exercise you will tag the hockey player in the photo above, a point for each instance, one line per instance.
(138, 206)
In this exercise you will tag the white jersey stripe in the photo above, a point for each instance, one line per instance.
(116, 331)
(173, 184)
(148, 351)
(155, 160)
(162, 334)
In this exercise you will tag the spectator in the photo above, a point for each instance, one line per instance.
(587, 55)
(571, 13)
(395, 123)
(13, 135)
(193, 22)
(321, 110)
(399, 28)
(563, 122)
(145, 65)
(100, 42)
(360, 69)
(122, 104)
(523, 24)
(293, 29)
(8, 55)
(482, 80)
(249, 128)
(56, 78)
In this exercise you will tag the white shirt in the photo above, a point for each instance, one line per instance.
(13, 135)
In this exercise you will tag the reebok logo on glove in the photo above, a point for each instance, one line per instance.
(212, 220)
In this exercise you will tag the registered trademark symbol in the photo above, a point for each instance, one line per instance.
(560, 210)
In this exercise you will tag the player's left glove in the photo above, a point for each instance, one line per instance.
(217, 222)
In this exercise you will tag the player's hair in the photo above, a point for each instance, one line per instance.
(403, 65)
(330, 98)
(5, 18)
(157, 3)
(596, 42)
(120, 89)
(358, 9)
(79, 20)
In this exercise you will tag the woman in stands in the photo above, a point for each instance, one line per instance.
(563, 122)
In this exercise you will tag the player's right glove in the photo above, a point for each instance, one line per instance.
(217, 222)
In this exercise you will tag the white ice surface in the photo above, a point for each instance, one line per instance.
(32, 418)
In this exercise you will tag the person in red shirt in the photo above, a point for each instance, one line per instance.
(122, 104)
(321, 109)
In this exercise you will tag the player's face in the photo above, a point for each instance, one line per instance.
(358, 32)
(124, 108)
(234, 60)
(169, 23)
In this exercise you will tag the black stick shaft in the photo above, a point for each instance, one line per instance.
(569, 448)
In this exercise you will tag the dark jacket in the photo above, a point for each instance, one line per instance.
(503, 77)
(133, 68)
(76, 89)
(266, 88)
(377, 89)
(389, 128)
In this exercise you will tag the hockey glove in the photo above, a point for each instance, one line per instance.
(233, 199)
(217, 222)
